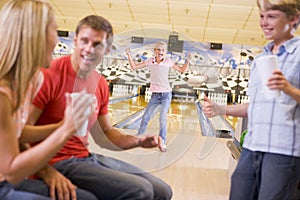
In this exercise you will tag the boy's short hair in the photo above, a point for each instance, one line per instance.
(290, 7)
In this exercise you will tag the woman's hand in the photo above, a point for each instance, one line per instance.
(78, 110)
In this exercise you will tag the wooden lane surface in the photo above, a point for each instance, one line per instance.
(195, 166)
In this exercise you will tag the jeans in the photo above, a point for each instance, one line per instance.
(111, 179)
(40, 187)
(157, 98)
(265, 176)
(7, 192)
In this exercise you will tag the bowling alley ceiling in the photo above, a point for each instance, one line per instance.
(221, 21)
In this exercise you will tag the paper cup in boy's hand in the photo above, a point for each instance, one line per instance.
(265, 66)
(82, 130)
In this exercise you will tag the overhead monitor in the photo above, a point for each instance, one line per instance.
(137, 39)
(175, 45)
(63, 33)
(215, 46)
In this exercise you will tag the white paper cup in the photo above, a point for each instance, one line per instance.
(82, 130)
(265, 66)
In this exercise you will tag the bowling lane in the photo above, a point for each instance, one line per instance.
(195, 166)
(179, 113)
(122, 109)
(182, 123)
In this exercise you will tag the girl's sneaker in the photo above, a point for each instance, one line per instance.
(163, 147)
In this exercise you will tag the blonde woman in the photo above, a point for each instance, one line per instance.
(27, 38)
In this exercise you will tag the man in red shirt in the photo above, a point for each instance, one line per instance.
(74, 166)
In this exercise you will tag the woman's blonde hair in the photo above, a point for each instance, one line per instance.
(160, 44)
(290, 7)
(23, 42)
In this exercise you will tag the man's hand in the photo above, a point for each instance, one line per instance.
(150, 141)
(58, 184)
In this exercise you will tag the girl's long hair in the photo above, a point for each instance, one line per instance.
(23, 42)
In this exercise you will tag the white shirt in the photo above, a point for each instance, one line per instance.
(274, 125)
(159, 74)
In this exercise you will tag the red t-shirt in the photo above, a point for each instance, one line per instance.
(59, 79)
